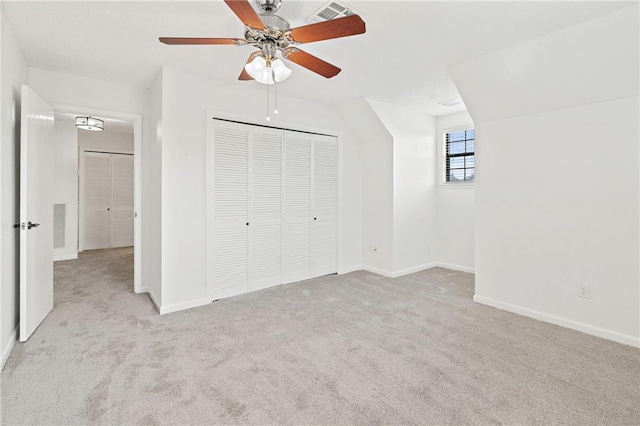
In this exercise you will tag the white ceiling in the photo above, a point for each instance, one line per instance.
(110, 124)
(402, 59)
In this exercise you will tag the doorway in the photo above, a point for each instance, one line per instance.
(98, 196)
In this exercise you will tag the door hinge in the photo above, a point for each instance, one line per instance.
(19, 226)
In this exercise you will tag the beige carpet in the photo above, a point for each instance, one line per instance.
(351, 349)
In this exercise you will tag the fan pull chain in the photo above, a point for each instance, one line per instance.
(275, 83)
(268, 115)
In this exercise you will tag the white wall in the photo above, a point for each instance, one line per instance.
(105, 140)
(456, 206)
(185, 101)
(12, 75)
(376, 148)
(65, 188)
(66, 89)
(557, 188)
(414, 186)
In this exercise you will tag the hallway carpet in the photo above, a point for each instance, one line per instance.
(352, 349)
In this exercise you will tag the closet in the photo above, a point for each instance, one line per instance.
(272, 203)
(108, 212)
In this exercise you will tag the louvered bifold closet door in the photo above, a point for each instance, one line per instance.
(229, 206)
(97, 170)
(121, 226)
(324, 230)
(296, 247)
(265, 230)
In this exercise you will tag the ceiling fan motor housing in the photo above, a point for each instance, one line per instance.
(269, 6)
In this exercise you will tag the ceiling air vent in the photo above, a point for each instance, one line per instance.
(331, 10)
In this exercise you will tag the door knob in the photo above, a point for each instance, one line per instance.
(32, 225)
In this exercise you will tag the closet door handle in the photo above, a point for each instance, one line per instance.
(247, 223)
(108, 209)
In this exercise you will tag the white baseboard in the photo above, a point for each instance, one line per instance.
(413, 269)
(377, 271)
(154, 299)
(349, 269)
(7, 346)
(58, 257)
(625, 339)
(400, 272)
(455, 267)
(182, 306)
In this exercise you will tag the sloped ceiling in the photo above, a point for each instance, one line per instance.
(402, 59)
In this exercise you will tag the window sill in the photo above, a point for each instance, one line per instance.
(457, 185)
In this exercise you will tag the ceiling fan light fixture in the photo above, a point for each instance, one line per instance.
(89, 123)
(280, 70)
(261, 73)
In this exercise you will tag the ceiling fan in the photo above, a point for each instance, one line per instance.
(275, 39)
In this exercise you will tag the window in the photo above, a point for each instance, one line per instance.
(459, 155)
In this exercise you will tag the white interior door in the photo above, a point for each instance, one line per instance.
(121, 221)
(97, 170)
(296, 254)
(265, 230)
(229, 206)
(36, 212)
(324, 233)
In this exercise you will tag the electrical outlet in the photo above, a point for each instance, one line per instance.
(584, 290)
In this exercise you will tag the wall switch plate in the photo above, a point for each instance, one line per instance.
(584, 290)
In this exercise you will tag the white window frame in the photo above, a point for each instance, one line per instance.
(443, 158)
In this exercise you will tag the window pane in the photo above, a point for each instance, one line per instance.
(470, 162)
(456, 163)
(457, 136)
(471, 134)
(469, 175)
(456, 175)
(456, 147)
(471, 146)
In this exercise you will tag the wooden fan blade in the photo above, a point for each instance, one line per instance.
(336, 28)
(244, 75)
(312, 63)
(246, 13)
(194, 40)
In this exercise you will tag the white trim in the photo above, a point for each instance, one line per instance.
(413, 269)
(8, 346)
(625, 339)
(377, 271)
(442, 180)
(184, 305)
(457, 185)
(401, 272)
(136, 118)
(59, 257)
(153, 297)
(455, 267)
(349, 269)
